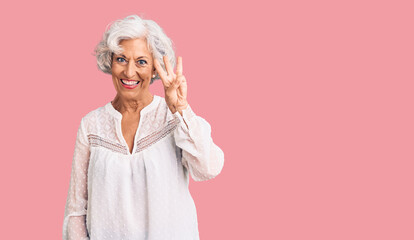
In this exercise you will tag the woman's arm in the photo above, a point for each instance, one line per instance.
(200, 155)
(74, 224)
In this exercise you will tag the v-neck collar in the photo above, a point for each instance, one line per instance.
(143, 111)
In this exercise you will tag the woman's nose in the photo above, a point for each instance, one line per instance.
(130, 70)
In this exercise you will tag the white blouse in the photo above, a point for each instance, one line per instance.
(116, 195)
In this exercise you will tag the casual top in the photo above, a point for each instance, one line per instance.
(116, 195)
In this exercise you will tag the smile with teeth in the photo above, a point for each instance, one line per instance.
(130, 83)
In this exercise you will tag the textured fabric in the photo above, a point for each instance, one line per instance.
(114, 194)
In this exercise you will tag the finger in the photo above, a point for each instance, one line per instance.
(183, 85)
(180, 80)
(160, 70)
(179, 66)
(175, 84)
(168, 66)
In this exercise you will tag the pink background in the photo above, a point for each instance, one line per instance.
(311, 102)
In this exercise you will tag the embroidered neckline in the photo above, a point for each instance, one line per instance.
(145, 139)
(145, 110)
(157, 135)
(142, 144)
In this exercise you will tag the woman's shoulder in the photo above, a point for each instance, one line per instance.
(99, 121)
(94, 113)
(96, 116)
(161, 110)
(157, 119)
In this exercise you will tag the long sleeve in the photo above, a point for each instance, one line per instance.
(74, 224)
(200, 155)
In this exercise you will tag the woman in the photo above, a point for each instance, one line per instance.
(133, 156)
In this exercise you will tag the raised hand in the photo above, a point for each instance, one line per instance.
(175, 84)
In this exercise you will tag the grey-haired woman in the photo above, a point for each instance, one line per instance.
(133, 156)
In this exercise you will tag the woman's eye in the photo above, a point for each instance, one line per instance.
(142, 62)
(119, 60)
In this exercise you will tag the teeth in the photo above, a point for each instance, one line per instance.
(129, 82)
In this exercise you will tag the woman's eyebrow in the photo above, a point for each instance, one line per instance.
(136, 58)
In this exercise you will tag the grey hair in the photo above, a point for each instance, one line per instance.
(132, 27)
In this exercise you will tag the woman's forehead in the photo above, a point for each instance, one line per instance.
(137, 43)
(134, 48)
(138, 56)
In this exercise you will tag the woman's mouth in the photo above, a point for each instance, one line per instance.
(130, 84)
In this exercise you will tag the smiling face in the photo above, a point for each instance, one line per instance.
(135, 63)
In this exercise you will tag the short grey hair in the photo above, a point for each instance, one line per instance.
(132, 27)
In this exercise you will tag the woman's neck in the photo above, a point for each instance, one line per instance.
(132, 106)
